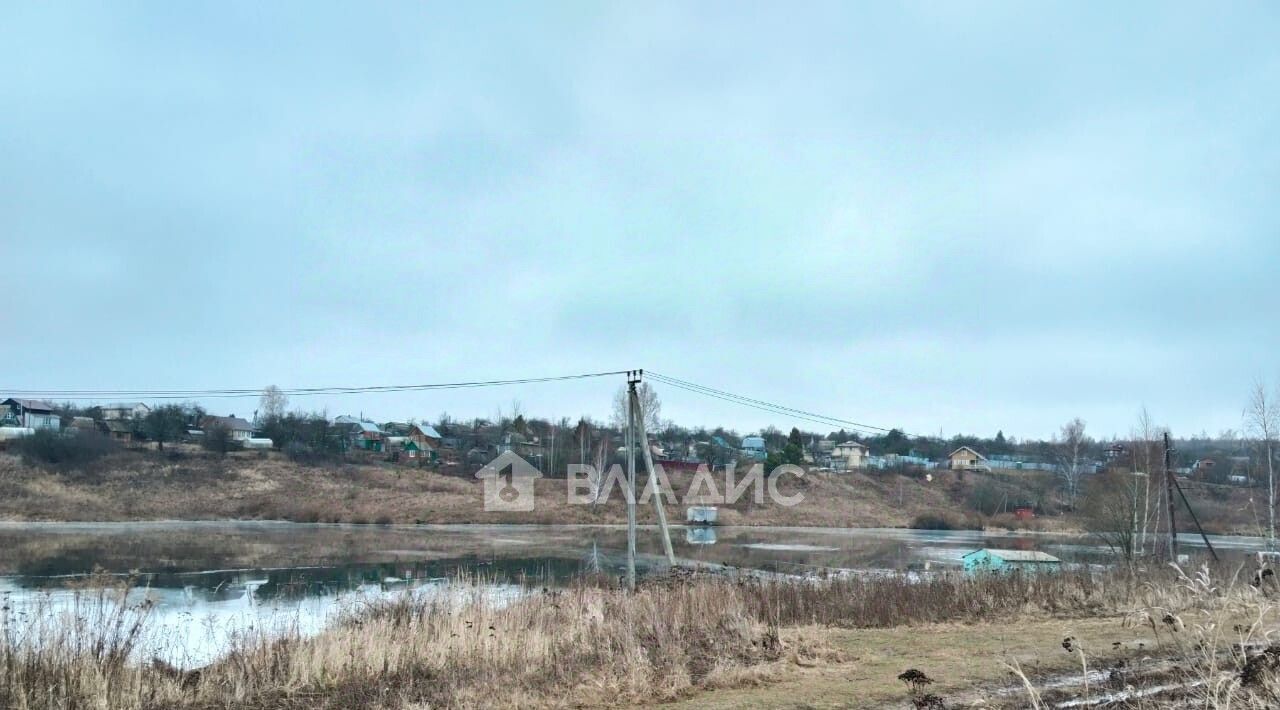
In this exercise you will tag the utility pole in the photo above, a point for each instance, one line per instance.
(1169, 485)
(633, 376)
(638, 413)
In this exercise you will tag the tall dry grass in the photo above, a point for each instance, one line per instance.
(586, 645)
(1216, 634)
(896, 600)
(578, 646)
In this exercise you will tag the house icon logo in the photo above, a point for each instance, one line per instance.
(508, 483)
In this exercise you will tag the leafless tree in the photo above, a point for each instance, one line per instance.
(1109, 510)
(1262, 421)
(1072, 444)
(1144, 450)
(272, 404)
(649, 404)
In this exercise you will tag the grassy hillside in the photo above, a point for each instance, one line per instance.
(197, 485)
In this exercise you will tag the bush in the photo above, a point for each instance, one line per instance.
(71, 451)
(298, 452)
(218, 440)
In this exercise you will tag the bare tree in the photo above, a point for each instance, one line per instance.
(649, 404)
(1109, 510)
(1262, 421)
(272, 404)
(1071, 458)
(1145, 452)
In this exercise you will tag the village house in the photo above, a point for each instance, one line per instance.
(118, 429)
(125, 410)
(32, 413)
(239, 429)
(966, 459)
(424, 436)
(368, 437)
(849, 455)
(753, 448)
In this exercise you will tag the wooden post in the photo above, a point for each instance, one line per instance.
(631, 483)
(638, 414)
(1169, 483)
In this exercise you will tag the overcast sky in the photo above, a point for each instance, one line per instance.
(948, 217)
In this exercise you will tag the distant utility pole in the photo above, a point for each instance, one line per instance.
(1169, 484)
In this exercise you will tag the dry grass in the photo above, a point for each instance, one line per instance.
(1215, 636)
(583, 646)
(574, 647)
(896, 600)
(190, 484)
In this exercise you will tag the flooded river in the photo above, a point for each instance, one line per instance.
(208, 582)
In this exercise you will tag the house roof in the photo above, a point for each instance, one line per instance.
(125, 405)
(232, 423)
(117, 426)
(426, 430)
(753, 442)
(858, 444)
(966, 448)
(33, 405)
(1017, 555)
(369, 427)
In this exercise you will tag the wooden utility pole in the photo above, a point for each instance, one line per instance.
(638, 413)
(633, 376)
(1169, 485)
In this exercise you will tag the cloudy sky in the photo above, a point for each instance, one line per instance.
(940, 216)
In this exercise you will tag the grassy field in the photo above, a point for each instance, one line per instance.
(190, 484)
(707, 642)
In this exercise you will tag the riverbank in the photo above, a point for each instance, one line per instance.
(184, 483)
(698, 641)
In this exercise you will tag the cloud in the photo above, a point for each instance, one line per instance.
(916, 216)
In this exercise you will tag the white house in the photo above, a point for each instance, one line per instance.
(849, 455)
(966, 459)
(240, 429)
(32, 413)
(125, 410)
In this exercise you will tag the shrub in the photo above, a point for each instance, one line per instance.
(218, 440)
(71, 451)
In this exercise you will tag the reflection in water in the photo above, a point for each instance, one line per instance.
(700, 535)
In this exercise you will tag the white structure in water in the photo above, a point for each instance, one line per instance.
(702, 515)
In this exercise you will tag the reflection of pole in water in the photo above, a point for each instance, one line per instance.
(593, 558)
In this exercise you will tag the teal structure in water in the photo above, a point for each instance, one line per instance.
(989, 560)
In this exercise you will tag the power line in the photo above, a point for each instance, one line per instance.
(232, 393)
(299, 391)
(762, 404)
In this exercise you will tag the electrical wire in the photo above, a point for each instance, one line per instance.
(762, 404)
(298, 391)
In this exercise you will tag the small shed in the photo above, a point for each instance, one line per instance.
(702, 515)
(989, 560)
